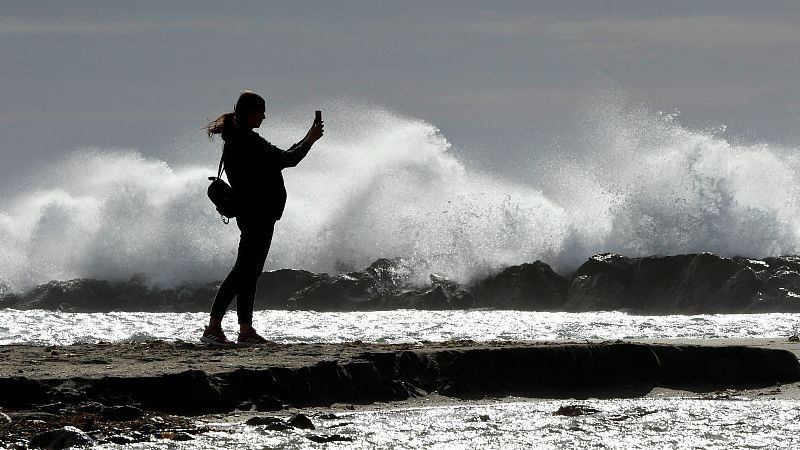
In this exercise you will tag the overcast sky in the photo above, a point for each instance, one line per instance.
(501, 78)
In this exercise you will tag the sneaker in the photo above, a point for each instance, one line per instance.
(251, 338)
(215, 337)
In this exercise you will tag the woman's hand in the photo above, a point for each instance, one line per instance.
(315, 132)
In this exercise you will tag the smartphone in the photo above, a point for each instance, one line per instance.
(317, 116)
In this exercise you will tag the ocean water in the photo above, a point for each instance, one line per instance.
(509, 423)
(663, 423)
(39, 327)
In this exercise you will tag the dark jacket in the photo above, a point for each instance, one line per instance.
(254, 169)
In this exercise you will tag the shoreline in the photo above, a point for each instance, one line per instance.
(160, 387)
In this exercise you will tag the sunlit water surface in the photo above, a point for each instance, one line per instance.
(624, 423)
(618, 424)
(41, 327)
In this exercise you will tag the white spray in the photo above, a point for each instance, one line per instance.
(383, 185)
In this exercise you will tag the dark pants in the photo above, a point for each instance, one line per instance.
(254, 242)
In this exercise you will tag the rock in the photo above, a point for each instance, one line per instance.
(684, 284)
(599, 292)
(268, 403)
(793, 338)
(388, 276)
(245, 406)
(123, 439)
(34, 416)
(782, 279)
(19, 392)
(301, 421)
(180, 436)
(52, 408)
(693, 284)
(278, 426)
(255, 421)
(342, 292)
(788, 262)
(617, 266)
(276, 287)
(89, 295)
(322, 438)
(90, 407)
(480, 418)
(269, 423)
(69, 391)
(382, 285)
(575, 410)
(528, 287)
(121, 413)
(61, 438)
(434, 299)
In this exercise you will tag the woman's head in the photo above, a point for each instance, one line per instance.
(248, 112)
(249, 103)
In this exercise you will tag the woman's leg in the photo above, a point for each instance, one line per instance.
(247, 256)
(247, 287)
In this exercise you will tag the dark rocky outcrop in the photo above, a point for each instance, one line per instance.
(276, 287)
(683, 284)
(680, 284)
(527, 287)
(88, 295)
(383, 285)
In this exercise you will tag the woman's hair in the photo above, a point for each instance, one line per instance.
(247, 103)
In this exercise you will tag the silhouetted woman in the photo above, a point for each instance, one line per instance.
(254, 172)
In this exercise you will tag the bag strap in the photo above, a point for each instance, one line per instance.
(221, 168)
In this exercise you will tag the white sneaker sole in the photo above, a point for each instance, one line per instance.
(210, 341)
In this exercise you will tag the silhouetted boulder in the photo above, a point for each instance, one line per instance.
(528, 287)
(325, 438)
(382, 285)
(458, 297)
(271, 423)
(301, 421)
(342, 292)
(276, 287)
(89, 295)
(685, 284)
(121, 413)
(268, 403)
(388, 276)
(575, 410)
(62, 438)
(790, 262)
(600, 292)
(618, 267)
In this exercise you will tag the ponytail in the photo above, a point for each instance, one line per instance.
(248, 101)
(221, 123)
